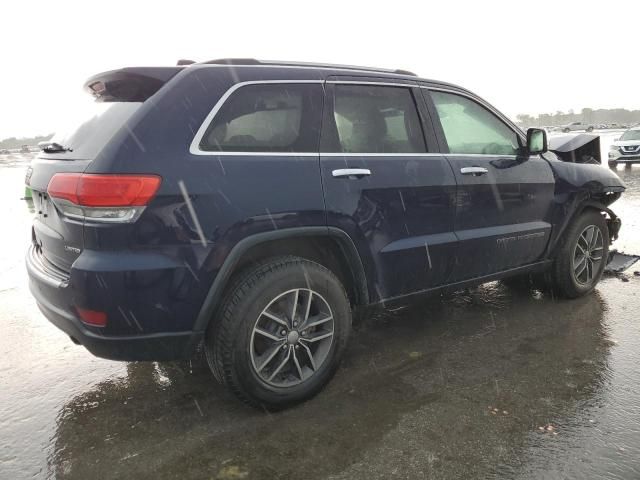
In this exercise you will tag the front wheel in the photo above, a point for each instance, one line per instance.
(590, 129)
(282, 330)
(583, 256)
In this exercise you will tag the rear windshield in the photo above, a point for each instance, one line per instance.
(88, 128)
(631, 135)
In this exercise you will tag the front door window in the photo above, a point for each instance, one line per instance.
(470, 128)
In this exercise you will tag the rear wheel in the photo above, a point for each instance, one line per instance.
(581, 260)
(282, 330)
(590, 129)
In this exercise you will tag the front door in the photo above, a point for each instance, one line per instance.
(385, 186)
(504, 196)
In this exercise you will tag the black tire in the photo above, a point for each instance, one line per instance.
(563, 273)
(230, 344)
(566, 130)
(590, 129)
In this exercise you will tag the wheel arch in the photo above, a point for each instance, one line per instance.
(589, 203)
(329, 246)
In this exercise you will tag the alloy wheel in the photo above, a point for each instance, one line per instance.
(587, 255)
(292, 337)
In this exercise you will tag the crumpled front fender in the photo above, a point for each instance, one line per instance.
(586, 177)
(579, 186)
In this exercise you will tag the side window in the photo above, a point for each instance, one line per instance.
(470, 128)
(373, 119)
(267, 118)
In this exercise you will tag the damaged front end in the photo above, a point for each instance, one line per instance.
(581, 182)
(577, 148)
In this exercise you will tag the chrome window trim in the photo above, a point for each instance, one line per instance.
(262, 154)
(350, 154)
(195, 149)
(476, 99)
(478, 155)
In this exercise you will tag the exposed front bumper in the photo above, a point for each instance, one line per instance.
(56, 298)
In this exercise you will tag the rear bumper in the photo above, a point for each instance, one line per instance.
(54, 295)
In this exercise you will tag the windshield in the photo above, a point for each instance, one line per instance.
(91, 126)
(630, 135)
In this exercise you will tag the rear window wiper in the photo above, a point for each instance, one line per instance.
(53, 147)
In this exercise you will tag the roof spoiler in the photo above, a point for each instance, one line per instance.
(129, 84)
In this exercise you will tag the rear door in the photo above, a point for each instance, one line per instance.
(504, 196)
(385, 185)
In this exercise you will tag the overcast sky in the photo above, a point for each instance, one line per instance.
(524, 57)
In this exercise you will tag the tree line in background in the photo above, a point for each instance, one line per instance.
(13, 142)
(587, 115)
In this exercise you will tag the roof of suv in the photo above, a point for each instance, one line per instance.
(330, 66)
(337, 69)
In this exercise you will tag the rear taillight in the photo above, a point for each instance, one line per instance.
(102, 198)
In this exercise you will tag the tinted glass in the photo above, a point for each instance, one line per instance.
(373, 119)
(267, 118)
(88, 130)
(470, 128)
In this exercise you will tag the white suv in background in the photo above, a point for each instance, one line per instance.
(574, 127)
(626, 149)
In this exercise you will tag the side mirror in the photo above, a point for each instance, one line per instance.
(536, 141)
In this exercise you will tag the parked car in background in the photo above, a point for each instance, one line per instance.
(284, 198)
(575, 126)
(4, 151)
(626, 149)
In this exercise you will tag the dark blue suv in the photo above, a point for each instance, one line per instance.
(249, 207)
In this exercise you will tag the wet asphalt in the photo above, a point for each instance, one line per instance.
(491, 382)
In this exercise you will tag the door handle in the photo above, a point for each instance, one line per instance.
(475, 171)
(350, 172)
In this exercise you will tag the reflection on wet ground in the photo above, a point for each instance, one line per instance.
(451, 387)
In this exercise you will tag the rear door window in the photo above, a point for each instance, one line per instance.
(373, 119)
(267, 118)
(470, 128)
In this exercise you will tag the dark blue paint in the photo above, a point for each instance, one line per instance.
(416, 223)
(515, 193)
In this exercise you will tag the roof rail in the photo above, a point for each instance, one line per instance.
(253, 61)
(234, 61)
